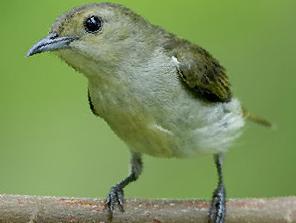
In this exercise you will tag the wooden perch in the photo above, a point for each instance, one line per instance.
(28, 209)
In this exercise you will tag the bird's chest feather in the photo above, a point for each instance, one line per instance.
(131, 119)
(135, 104)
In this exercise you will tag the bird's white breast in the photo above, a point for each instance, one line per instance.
(153, 112)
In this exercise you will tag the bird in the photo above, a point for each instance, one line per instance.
(163, 95)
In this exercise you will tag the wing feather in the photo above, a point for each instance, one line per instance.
(201, 72)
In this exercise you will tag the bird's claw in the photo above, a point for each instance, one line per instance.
(115, 199)
(217, 209)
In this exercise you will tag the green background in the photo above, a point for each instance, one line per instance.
(51, 144)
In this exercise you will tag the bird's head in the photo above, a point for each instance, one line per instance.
(104, 34)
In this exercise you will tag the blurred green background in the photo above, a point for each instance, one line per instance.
(51, 144)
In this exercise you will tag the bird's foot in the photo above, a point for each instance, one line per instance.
(115, 199)
(218, 209)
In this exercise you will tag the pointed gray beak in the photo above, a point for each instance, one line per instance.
(51, 43)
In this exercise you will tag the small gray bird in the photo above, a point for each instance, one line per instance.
(162, 95)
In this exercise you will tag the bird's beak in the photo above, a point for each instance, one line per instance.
(51, 42)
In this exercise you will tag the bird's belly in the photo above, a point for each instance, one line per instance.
(168, 125)
(141, 133)
(137, 125)
(149, 138)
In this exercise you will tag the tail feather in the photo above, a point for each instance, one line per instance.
(256, 119)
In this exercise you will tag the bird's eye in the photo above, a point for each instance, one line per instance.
(93, 24)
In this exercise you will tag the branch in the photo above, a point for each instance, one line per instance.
(27, 209)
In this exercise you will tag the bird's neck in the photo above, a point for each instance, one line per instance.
(111, 65)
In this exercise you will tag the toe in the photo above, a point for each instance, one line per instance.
(115, 198)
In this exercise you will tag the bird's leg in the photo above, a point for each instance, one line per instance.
(116, 194)
(218, 209)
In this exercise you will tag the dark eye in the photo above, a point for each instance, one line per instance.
(93, 24)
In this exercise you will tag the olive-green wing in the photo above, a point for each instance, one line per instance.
(202, 73)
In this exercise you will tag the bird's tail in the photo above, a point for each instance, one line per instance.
(256, 119)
